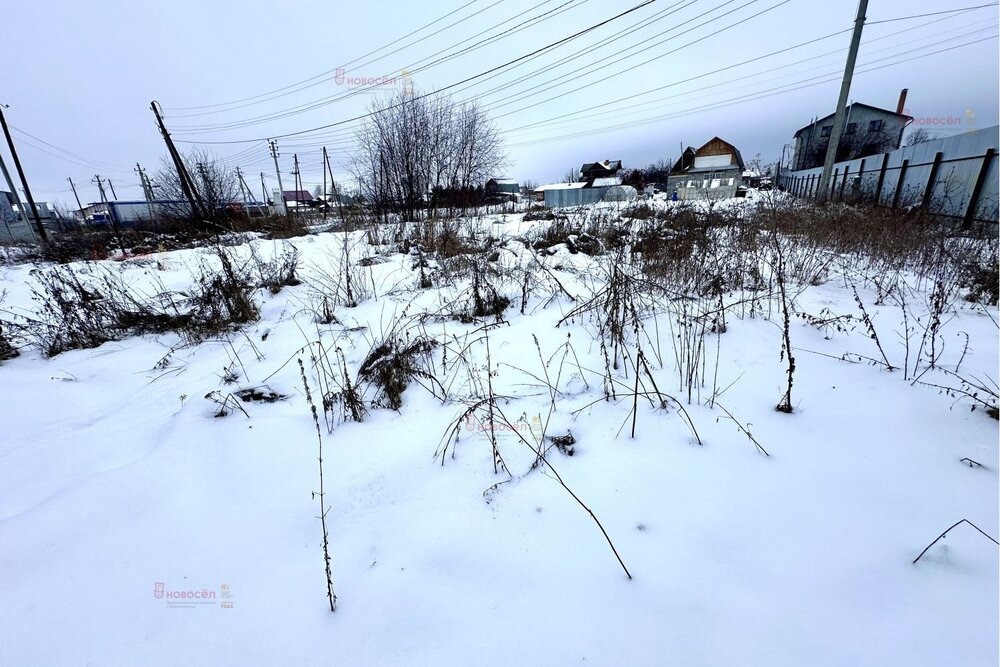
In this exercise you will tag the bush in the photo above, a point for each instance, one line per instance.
(76, 315)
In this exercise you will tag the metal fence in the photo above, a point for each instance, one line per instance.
(954, 177)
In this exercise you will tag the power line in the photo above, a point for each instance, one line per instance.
(331, 99)
(728, 67)
(328, 72)
(737, 100)
(549, 46)
(918, 16)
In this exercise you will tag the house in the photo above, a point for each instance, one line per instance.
(298, 198)
(867, 130)
(685, 162)
(714, 171)
(601, 171)
(502, 186)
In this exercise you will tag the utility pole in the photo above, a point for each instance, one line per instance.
(845, 89)
(281, 188)
(239, 182)
(146, 190)
(111, 214)
(333, 184)
(187, 185)
(325, 200)
(298, 183)
(113, 193)
(75, 196)
(263, 188)
(13, 192)
(245, 187)
(24, 181)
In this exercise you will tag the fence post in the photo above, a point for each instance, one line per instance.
(931, 181)
(843, 183)
(881, 178)
(977, 190)
(899, 183)
(861, 180)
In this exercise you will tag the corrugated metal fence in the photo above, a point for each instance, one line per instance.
(955, 177)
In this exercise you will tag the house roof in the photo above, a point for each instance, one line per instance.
(687, 157)
(504, 181)
(297, 195)
(853, 104)
(561, 186)
(735, 151)
(612, 165)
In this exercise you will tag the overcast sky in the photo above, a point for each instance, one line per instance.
(80, 76)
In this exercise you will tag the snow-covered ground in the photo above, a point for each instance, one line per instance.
(117, 483)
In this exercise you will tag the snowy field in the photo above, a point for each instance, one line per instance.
(121, 488)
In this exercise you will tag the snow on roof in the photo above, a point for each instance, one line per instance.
(560, 186)
(505, 181)
(607, 181)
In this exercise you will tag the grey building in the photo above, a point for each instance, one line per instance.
(714, 171)
(867, 130)
(502, 186)
(128, 213)
(19, 227)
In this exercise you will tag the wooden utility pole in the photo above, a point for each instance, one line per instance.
(13, 192)
(187, 185)
(845, 89)
(113, 193)
(263, 188)
(111, 214)
(325, 200)
(245, 186)
(24, 181)
(75, 196)
(277, 171)
(333, 183)
(146, 190)
(298, 183)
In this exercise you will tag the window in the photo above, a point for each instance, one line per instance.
(851, 127)
(876, 125)
(825, 132)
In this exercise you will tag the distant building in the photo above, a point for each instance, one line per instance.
(685, 162)
(18, 226)
(600, 171)
(714, 171)
(867, 131)
(502, 186)
(130, 213)
(294, 198)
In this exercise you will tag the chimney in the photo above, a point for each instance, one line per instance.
(607, 162)
(902, 100)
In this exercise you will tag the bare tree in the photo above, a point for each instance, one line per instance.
(570, 176)
(414, 147)
(215, 184)
(918, 136)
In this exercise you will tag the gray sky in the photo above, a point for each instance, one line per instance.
(80, 76)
